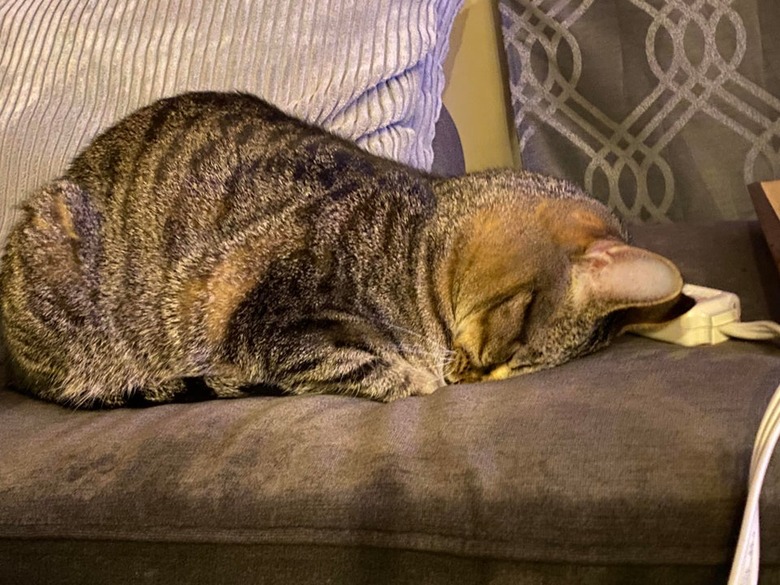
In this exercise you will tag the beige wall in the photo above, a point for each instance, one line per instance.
(476, 94)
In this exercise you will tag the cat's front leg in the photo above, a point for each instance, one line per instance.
(189, 389)
(405, 379)
(357, 373)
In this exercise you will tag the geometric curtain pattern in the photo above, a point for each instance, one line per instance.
(662, 109)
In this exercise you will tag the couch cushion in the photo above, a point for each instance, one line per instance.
(634, 456)
(370, 71)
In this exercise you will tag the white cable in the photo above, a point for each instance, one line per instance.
(752, 330)
(745, 568)
(712, 320)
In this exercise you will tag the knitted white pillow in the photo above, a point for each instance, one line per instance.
(370, 71)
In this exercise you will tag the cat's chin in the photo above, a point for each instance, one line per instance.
(505, 371)
(500, 372)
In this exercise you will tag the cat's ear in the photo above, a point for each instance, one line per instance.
(648, 318)
(611, 275)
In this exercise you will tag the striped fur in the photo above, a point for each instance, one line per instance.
(209, 240)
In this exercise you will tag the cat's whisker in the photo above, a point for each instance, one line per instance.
(406, 330)
(413, 349)
(426, 340)
(417, 351)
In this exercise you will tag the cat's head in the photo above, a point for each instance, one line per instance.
(540, 274)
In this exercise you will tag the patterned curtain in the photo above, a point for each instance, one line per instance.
(662, 109)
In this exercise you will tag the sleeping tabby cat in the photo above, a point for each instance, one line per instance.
(210, 241)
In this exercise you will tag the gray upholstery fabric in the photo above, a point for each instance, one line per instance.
(663, 110)
(632, 461)
(370, 71)
(448, 158)
(212, 564)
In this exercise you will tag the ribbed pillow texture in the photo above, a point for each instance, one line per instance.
(369, 71)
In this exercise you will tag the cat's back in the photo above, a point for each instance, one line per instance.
(201, 148)
(168, 219)
(187, 171)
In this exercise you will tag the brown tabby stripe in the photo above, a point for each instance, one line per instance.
(210, 239)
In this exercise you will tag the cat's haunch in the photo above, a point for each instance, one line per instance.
(210, 241)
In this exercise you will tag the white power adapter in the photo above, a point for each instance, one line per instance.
(701, 325)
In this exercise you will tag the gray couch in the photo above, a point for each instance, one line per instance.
(628, 466)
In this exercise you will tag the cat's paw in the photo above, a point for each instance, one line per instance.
(410, 381)
(460, 370)
(225, 387)
(423, 383)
